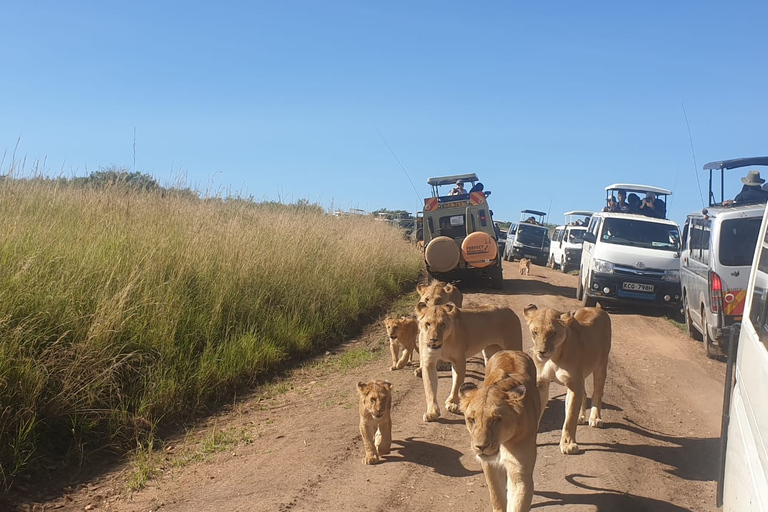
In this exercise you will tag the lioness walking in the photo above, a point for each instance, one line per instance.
(449, 333)
(568, 348)
(502, 417)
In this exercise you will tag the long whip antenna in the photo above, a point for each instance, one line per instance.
(693, 153)
(418, 197)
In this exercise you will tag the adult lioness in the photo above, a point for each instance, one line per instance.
(403, 336)
(502, 417)
(449, 333)
(438, 292)
(567, 347)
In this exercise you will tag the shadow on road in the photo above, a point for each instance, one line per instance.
(606, 500)
(444, 460)
(554, 414)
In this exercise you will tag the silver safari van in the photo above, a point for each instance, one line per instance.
(718, 245)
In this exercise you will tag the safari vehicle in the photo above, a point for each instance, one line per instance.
(718, 245)
(630, 257)
(459, 234)
(529, 238)
(743, 480)
(565, 248)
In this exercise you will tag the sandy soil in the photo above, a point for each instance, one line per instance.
(658, 451)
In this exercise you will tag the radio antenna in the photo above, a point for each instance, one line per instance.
(399, 163)
(693, 153)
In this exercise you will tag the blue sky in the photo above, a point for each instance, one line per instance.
(547, 102)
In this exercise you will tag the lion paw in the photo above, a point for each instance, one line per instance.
(569, 448)
(431, 415)
(582, 419)
(452, 407)
(370, 459)
(393, 368)
(417, 372)
(596, 422)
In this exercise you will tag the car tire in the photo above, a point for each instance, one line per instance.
(579, 288)
(497, 279)
(713, 352)
(689, 327)
(586, 300)
(563, 266)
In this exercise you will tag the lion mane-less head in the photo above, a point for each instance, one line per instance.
(492, 412)
(395, 325)
(375, 397)
(438, 292)
(436, 322)
(548, 329)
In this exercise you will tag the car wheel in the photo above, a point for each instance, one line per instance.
(689, 327)
(579, 288)
(586, 300)
(551, 262)
(563, 266)
(713, 351)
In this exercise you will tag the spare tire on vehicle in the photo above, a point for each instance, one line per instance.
(479, 249)
(442, 254)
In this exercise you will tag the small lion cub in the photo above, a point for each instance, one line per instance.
(375, 419)
(525, 266)
(403, 336)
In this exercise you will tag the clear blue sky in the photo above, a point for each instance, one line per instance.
(545, 101)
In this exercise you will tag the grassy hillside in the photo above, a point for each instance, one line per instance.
(120, 309)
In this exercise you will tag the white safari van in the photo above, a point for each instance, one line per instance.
(630, 257)
(565, 248)
(743, 481)
(718, 246)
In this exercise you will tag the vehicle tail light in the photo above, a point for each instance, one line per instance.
(483, 220)
(715, 292)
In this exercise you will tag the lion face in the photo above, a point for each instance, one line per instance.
(548, 330)
(491, 414)
(375, 397)
(435, 323)
(395, 325)
(436, 293)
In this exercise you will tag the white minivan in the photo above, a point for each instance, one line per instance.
(565, 248)
(718, 246)
(630, 257)
(743, 481)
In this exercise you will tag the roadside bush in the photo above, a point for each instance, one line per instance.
(119, 311)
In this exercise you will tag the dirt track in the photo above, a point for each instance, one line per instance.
(658, 451)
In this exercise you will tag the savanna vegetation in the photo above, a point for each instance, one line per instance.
(124, 305)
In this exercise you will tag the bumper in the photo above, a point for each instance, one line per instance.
(611, 288)
(530, 252)
(573, 257)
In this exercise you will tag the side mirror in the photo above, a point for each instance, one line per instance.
(589, 237)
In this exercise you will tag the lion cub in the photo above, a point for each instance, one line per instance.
(525, 266)
(438, 292)
(502, 417)
(403, 334)
(375, 420)
(567, 348)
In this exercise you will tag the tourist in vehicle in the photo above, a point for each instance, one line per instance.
(612, 206)
(633, 203)
(653, 207)
(458, 189)
(752, 192)
(622, 203)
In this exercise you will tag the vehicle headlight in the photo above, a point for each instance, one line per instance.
(671, 275)
(602, 266)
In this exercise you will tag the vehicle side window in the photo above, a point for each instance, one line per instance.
(758, 313)
(699, 244)
(685, 236)
(594, 226)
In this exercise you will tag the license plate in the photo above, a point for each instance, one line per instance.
(637, 287)
(454, 204)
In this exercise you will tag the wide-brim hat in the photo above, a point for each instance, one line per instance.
(753, 178)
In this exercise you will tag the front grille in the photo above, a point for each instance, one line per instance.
(636, 272)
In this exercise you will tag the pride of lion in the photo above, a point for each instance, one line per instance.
(502, 415)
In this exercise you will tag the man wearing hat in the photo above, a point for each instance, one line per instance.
(458, 189)
(751, 192)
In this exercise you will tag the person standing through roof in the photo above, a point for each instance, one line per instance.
(622, 204)
(751, 192)
(458, 189)
(653, 207)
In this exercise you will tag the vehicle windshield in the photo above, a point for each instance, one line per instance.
(638, 233)
(575, 235)
(738, 239)
(528, 234)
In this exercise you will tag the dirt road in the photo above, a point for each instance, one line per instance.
(301, 450)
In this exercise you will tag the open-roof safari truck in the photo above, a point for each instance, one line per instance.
(718, 246)
(529, 238)
(459, 237)
(565, 249)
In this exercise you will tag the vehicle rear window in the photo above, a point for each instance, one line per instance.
(639, 233)
(531, 235)
(738, 239)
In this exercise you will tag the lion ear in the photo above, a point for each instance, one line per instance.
(450, 307)
(448, 288)
(467, 389)
(420, 288)
(518, 392)
(420, 307)
(529, 309)
(362, 387)
(387, 385)
(565, 318)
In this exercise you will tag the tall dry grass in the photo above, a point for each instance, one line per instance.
(120, 309)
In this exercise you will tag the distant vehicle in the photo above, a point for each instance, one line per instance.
(501, 237)
(630, 257)
(460, 240)
(718, 245)
(565, 248)
(743, 480)
(528, 238)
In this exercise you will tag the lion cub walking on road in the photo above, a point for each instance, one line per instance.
(449, 333)
(375, 419)
(403, 336)
(502, 417)
(525, 266)
(567, 348)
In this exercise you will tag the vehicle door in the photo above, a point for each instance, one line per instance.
(589, 246)
(556, 249)
(697, 267)
(511, 235)
(745, 474)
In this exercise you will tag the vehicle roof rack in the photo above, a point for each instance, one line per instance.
(533, 212)
(631, 187)
(735, 163)
(451, 180)
(579, 213)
